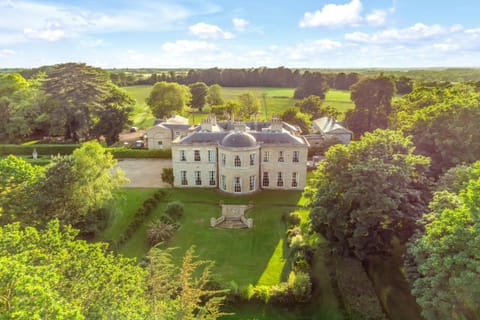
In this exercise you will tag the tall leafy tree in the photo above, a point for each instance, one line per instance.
(365, 195)
(313, 83)
(313, 105)
(182, 292)
(297, 118)
(199, 91)
(372, 98)
(49, 275)
(113, 118)
(214, 96)
(249, 105)
(77, 186)
(444, 125)
(446, 256)
(75, 91)
(18, 180)
(167, 98)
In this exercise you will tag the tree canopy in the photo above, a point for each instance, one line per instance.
(249, 105)
(364, 195)
(214, 96)
(372, 98)
(78, 186)
(167, 98)
(443, 122)
(49, 275)
(199, 91)
(446, 257)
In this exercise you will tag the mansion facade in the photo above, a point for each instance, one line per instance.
(241, 158)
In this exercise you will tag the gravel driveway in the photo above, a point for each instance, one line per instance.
(144, 173)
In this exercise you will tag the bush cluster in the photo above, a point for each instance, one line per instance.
(121, 153)
(140, 215)
(163, 228)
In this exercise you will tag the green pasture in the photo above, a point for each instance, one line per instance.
(273, 101)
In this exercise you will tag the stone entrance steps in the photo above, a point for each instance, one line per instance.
(232, 224)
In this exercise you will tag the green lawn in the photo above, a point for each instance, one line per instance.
(247, 256)
(273, 101)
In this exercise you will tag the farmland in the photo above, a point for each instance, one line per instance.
(273, 101)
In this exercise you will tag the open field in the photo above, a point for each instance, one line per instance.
(273, 100)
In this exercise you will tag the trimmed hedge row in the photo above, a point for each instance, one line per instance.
(120, 153)
(64, 149)
(42, 149)
(141, 215)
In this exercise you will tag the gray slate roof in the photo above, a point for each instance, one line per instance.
(267, 138)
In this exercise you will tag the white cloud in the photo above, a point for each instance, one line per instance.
(332, 15)
(239, 24)
(183, 46)
(377, 17)
(134, 55)
(418, 31)
(6, 52)
(44, 34)
(209, 31)
(24, 19)
(305, 49)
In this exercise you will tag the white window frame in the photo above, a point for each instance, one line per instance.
(183, 156)
(266, 179)
(183, 178)
(211, 178)
(294, 179)
(211, 155)
(253, 183)
(281, 156)
(266, 156)
(237, 161)
(296, 156)
(252, 159)
(196, 155)
(198, 178)
(280, 179)
(237, 185)
(224, 182)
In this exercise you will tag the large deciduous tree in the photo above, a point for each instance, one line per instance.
(18, 180)
(199, 91)
(365, 195)
(249, 105)
(372, 98)
(445, 258)
(312, 84)
(214, 96)
(78, 186)
(443, 124)
(167, 98)
(313, 105)
(49, 275)
(296, 117)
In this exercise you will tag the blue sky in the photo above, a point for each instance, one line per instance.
(189, 33)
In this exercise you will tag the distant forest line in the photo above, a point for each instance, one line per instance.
(340, 79)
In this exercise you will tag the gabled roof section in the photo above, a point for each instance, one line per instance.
(198, 138)
(278, 138)
(328, 125)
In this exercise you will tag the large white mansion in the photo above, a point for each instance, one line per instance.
(241, 158)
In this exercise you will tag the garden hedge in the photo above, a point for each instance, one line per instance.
(64, 149)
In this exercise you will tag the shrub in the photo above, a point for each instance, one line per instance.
(174, 210)
(42, 149)
(160, 231)
(120, 153)
(294, 219)
(300, 285)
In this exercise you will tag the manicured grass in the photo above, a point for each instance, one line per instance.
(127, 201)
(244, 256)
(274, 101)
